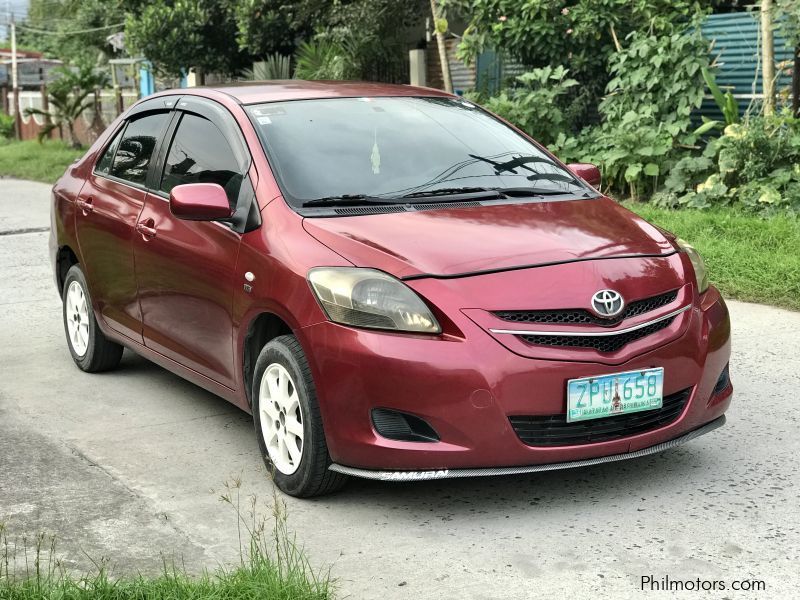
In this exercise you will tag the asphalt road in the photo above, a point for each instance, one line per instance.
(129, 465)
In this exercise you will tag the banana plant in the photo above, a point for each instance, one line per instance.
(726, 102)
(69, 97)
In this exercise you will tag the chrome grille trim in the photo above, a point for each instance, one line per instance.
(494, 471)
(583, 316)
(574, 333)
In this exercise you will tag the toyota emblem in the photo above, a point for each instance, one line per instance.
(608, 303)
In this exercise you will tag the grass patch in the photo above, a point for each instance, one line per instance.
(748, 257)
(272, 567)
(44, 162)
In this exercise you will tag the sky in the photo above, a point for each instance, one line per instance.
(19, 8)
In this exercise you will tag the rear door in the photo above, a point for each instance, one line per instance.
(108, 212)
(185, 269)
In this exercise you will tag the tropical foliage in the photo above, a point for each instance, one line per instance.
(579, 35)
(536, 103)
(754, 165)
(226, 36)
(275, 66)
(179, 35)
(75, 31)
(656, 82)
(69, 97)
(322, 59)
(6, 126)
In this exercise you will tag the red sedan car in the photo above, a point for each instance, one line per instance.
(397, 284)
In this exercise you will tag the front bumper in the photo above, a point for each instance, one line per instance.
(467, 387)
(498, 471)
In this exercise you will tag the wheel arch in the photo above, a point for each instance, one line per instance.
(65, 260)
(262, 328)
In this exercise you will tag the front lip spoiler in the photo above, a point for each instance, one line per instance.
(495, 471)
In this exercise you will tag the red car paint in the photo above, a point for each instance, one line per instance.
(175, 291)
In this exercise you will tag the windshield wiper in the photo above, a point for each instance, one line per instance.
(458, 192)
(454, 194)
(522, 192)
(347, 200)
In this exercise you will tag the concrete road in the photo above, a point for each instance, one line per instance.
(128, 465)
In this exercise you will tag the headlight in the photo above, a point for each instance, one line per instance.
(370, 298)
(697, 262)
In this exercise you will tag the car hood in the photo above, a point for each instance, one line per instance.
(452, 241)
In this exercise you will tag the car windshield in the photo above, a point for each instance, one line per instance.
(388, 148)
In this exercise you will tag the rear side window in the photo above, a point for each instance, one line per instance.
(135, 150)
(200, 153)
(104, 164)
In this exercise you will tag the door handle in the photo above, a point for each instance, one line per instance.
(85, 205)
(147, 228)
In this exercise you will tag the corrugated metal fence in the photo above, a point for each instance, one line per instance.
(737, 50)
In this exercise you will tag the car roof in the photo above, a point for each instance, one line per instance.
(298, 89)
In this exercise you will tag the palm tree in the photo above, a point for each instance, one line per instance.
(274, 66)
(69, 97)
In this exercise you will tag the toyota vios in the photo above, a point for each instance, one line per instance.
(397, 284)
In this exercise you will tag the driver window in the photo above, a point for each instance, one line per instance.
(200, 154)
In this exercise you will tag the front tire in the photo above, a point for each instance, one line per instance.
(90, 349)
(288, 422)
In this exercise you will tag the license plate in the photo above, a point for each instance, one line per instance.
(614, 394)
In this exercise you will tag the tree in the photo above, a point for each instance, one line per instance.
(51, 28)
(177, 35)
(69, 98)
(268, 26)
(767, 57)
(441, 27)
(580, 35)
(788, 14)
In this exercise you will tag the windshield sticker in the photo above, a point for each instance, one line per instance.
(268, 111)
(264, 120)
(375, 157)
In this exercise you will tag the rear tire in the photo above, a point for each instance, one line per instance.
(90, 349)
(288, 422)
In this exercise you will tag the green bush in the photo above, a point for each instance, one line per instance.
(274, 66)
(657, 80)
(754, 165)
(536, 103)
(322, 59)
(581, 33)
(6, 126)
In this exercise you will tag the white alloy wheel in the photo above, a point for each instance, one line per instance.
(281, 418)
(77, 315)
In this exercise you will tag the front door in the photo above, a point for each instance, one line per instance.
(185, 269)
(109, 206)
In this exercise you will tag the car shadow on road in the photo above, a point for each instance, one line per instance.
(637, 479)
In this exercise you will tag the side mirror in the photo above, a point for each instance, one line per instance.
(586, 171)
(199, 202)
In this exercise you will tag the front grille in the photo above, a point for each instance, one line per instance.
(606, 343)
(553, 430)
(580, 316)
